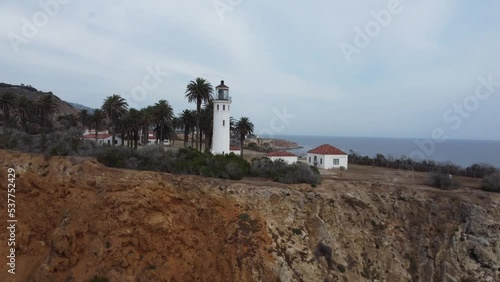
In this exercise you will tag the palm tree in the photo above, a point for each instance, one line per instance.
(244, 127)
(114, 106)
(163, 114)
(47, 106)
(145, 123)
(199, 91)
(23, 111)
(186, 118)
(176, 123)
(133, 125)
(206, 126)
(7, 104)
(97, 118)
(84, 118)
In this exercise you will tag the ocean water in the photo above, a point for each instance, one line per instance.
(459, 152)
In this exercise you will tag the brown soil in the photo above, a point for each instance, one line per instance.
(78, 219)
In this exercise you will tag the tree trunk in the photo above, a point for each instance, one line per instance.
(112, 131)
(242, 139)
(136, 133)
(192, 138)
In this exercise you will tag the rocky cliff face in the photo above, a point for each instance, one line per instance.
(78, 219)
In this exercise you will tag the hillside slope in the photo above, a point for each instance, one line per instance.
(33, 94)
(77, 219)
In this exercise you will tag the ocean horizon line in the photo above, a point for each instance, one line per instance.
(280, 136)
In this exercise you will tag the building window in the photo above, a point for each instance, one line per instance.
(228, 107)
(217, 107)
(309, 159)
(223, 122)
(223, 107)
(336, 162)
(321, 161)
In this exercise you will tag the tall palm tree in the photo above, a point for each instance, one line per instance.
(187, 120)
(7, 105)
(206, 126)
(23, 110)
(145, 122)
(97, 118)
(199, 91)
(133, 125)
(163, 114)
(84, 117)
(115, 107)
(244, 127)
(122, 127)
(176, 123)
(47, 106)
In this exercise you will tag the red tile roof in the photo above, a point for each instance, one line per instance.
(234, 148)
(280, 154)
(99, 136)
(326, 149)
(222, 85)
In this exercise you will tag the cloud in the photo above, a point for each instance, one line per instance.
(271, 54)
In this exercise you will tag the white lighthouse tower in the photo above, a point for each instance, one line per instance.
(221, 126)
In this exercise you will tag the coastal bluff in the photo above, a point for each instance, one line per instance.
(77, 219)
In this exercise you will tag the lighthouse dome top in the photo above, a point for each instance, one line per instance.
(222, 92)
(222, 85)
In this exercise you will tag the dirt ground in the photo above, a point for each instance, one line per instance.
(388, 176)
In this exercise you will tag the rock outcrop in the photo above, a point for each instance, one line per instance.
(78, 219)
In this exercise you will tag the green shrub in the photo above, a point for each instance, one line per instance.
(442, 181)
(491, 183)
(244, 216)
(99, 279)
(280, 171)
(114, 156)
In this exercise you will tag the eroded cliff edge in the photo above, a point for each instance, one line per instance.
(77, 219)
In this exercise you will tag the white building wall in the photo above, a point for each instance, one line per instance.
(222, 115)
(288, 160)
(327, 161)
(236, 152)
(118, 140)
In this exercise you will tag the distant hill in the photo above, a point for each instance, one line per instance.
(81, 107)
(32, 93)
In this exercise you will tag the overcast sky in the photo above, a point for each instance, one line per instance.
(293, 67)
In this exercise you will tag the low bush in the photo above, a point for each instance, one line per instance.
(280, 171)
(491, 183)
(442, 181)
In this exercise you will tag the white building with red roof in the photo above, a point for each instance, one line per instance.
(102, 138)
(327, 157)
(287, 157)
(235, 150)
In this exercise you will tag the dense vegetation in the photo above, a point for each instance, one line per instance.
(405, 163)
(491, 182)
